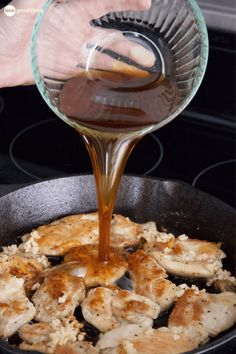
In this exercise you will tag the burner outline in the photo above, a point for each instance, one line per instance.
(35, 125)
(11, 146)
(200, 174)
(160, 157)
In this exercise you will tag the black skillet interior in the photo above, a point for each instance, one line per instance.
(173, 205)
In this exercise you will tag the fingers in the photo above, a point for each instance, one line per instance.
(17, 46)
(97, 9)
(137, 5)
(108, 49)
(80, 47)
(136, 52)
(86, 46)
(6, 78)
(120, 55)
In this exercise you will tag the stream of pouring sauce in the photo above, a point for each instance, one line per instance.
(112, 110)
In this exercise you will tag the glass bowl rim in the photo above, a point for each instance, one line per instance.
(192, 4)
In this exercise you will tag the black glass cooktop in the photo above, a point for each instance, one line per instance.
(198, 147)
(201, 154)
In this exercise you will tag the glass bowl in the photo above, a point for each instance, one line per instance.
(168, 39)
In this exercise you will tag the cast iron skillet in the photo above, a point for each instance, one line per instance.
(173, 205)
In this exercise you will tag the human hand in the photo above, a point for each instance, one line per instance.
(16, 32)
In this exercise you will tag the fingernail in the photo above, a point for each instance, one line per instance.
(142, 56)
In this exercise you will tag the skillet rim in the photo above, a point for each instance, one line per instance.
(17, 187)
(209, 347)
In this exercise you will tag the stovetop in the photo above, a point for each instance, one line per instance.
(198, 147)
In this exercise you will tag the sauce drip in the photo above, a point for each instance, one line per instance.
(112, 110)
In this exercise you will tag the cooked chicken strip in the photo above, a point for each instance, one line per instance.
(158, 236)
(199, 314)
(14, 314)
(61, 235)
(149, 279)
(133, 308)
(76, 348)
(224, 286)
(106, 309)
(223, 281)
(161, 341)
(144, 268)
(97, 309)
(22, 266)
(85, 254)
(15, 308)
(125, 232)
(58, 237)
(45, 337)
(113, 338)
(58, 296)
(130, 339)
(96, 273)
(187, 257)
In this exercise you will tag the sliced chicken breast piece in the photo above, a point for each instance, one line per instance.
(125, 232)
(158, 236)
(97, 309)
(96, 273)
(11, 287)
(133, 339)
(58, 237)
(58, 296)
(76, 348)
(61, 235)
(133, 308)
(144, 268)
(110, 351)
(23, 266)
(113, 338)
(161, 341)
(106, 309)
(200, 315)
(223, 281)
(224, 285)
(15, 308)
(149, 280)
(46, 337)
(163, 292)
(187, 257)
